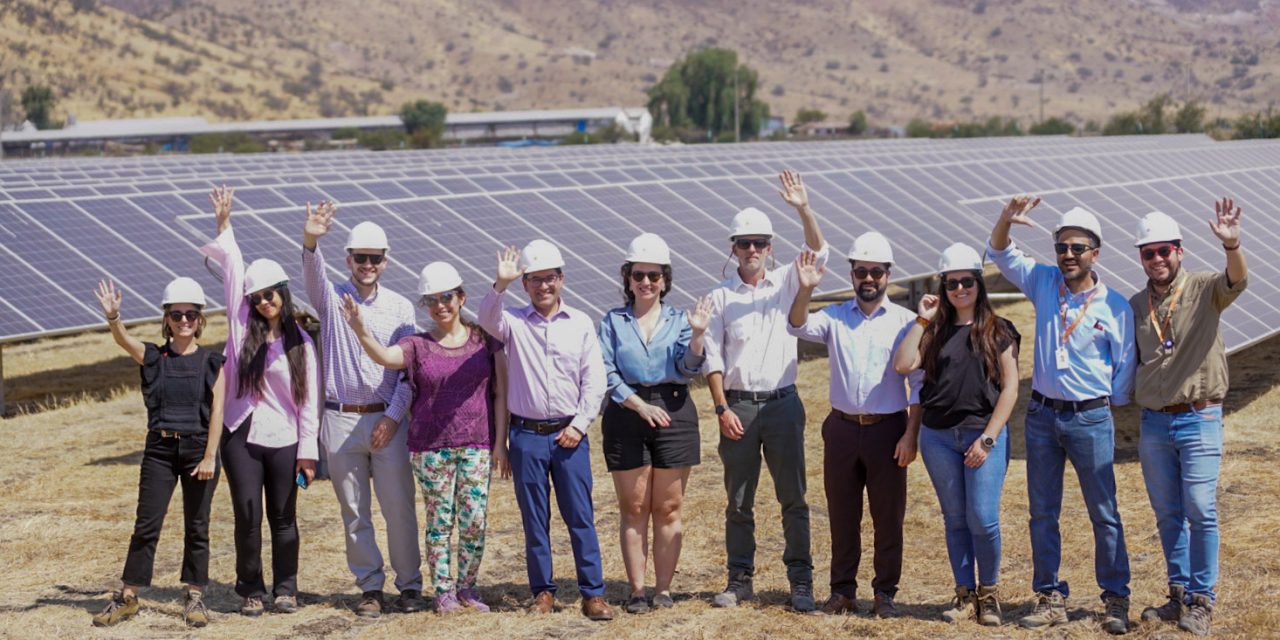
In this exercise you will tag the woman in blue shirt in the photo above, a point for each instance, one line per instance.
(650, 425)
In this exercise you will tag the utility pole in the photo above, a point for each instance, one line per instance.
(1040, 73)
(737, 119)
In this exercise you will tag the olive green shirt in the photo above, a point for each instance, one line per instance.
(1195, 369)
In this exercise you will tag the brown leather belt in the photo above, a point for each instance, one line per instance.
(356, 408)
(864, 419)
(1187, 407)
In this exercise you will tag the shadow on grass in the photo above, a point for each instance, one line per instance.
(128, 459)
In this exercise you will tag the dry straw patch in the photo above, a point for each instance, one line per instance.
(69, 476)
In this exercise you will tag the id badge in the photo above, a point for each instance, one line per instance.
(1064, 361)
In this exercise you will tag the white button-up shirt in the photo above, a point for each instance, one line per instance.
(860, 352)
(747, 339)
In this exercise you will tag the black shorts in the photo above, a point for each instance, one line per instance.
(630, 443)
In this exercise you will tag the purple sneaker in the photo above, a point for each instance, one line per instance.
(471, 598)
(447, 603)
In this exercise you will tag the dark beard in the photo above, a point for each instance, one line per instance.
(1167, 282)
(870, 296)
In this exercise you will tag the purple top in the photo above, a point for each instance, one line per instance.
(453, 391)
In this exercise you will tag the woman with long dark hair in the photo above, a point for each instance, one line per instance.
(182, 387)
(459, 417)
(970, 361)
(272, 414)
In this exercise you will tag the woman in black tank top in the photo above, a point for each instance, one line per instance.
(182, 388)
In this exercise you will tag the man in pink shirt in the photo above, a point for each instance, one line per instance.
(556, 387)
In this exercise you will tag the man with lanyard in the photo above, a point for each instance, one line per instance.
(556, 387)
(870, 435)
(1084, 363)
(364, 407)
(1181, 381)
(751, 371)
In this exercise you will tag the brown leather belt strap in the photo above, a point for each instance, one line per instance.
(1187, 407)
(864, 419)
(356, 408)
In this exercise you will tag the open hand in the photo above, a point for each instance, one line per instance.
(351, 313)
(221, 197)
(793, 191)
(1016, 212)
(109, 298)
(319, 220)
(700, 317)
(807, 269)
(1226, 224)
(508, 267)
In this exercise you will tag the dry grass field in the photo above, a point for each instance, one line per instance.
(69, 468)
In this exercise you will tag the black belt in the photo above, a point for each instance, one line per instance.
(355, 408)
(540, 427)
(734, 395)
(1071, 405)
(660, 390)
(1188, 407)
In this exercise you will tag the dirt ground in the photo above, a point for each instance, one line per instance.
(69, 469)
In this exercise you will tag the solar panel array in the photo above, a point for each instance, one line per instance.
(67, 223)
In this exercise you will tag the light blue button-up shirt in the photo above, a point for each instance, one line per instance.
(1101, 354)
(630, 361)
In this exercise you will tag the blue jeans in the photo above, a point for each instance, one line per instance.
(1087, 439)
(970, 500)
(1181, 454)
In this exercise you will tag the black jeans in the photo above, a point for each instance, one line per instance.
(165, 462)
(253, 471)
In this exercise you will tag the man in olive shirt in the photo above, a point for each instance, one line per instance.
(1181, 381)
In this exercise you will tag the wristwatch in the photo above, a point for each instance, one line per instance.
(988, 442)
(721, 408)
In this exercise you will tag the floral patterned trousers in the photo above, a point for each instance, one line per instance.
(455, 487)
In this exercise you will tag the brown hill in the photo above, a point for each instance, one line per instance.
(899, 59)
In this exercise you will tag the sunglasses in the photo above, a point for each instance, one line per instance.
(1076, 248)
(1163, 252)
(967, 282)
(861, 273)
(374, 259)
(538, 282)
(639, 276)
(433, 300)
(759, 244)
(256, 299)
(177, 316)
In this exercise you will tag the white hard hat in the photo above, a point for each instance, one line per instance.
(539, 255)
(367, 235)
(649, 247)
(960, 257)
(1157, 227)
(1079, 218)
(438, 277)
(872, 247)
(263, 273)
(750, 222)
(183, 290)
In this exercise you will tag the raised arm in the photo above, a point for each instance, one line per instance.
(390, 356)
(1016, 212)
(226, 251)
(698, 320)
(907, 358)
(319, 220)
(794, 193)
(1226, 226)
(809, 274)
(491, 317)
(109, 298)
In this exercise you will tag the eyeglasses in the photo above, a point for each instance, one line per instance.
(1076, 248)
(374, 259)
(861, 273)
(952, 284)
(1163, 252)
(268, 295)
(190, 315)
(639, 276)
(760, 244)
(433, 300)
(539, 281)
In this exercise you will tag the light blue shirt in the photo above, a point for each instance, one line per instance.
(629, 361)
(1101, 356)
(860, 354)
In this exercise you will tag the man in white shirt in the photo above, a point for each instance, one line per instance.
(751, 371)
(870, 435)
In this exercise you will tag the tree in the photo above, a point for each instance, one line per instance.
(857, 123)
(1189, 118)
(698, 93)
(805, 116)
(1054, 126)
(38, 102)
(424, 121)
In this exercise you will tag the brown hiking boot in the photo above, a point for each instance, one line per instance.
(119, 609)
(960, 605)
(251, 607)
(370, 605)
(1171, 611)
(1050, 611)
(883, 607)
(987, 605)
(838, 604)
(595, 608)
(738, 590)
(1116, 621)
(544, 602)
(1198, 616)
(193, 611)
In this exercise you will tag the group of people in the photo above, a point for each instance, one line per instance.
(517, 391)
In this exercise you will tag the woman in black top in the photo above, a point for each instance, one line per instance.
(970, 360)
(182, 388)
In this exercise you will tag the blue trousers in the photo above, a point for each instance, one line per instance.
(1181, 455)
(970, 500)
(534, 459)
(1088, 440)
